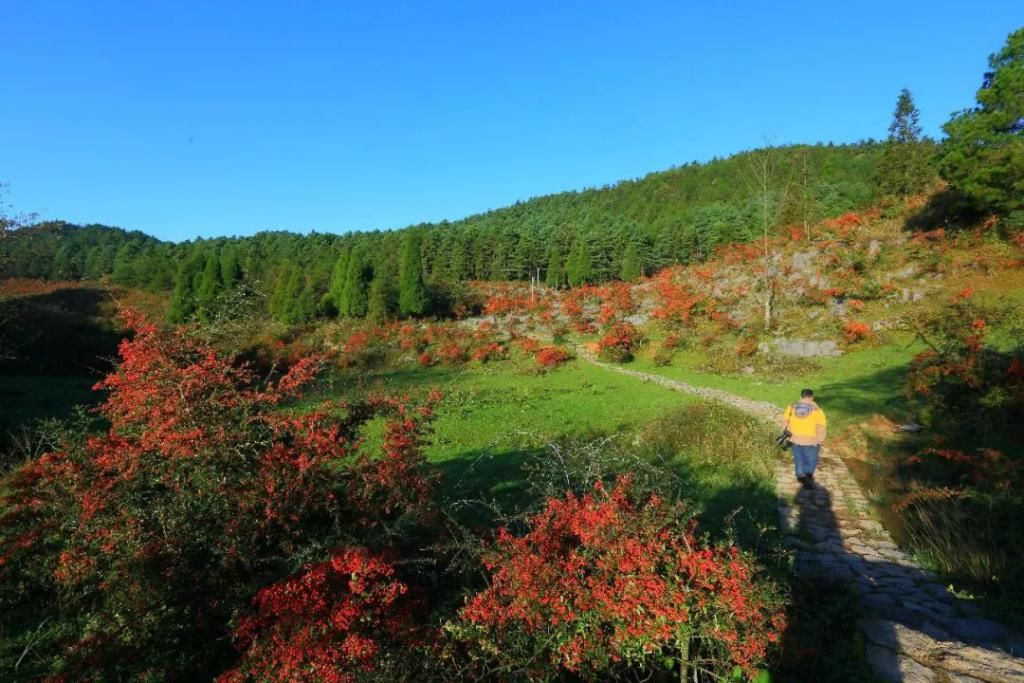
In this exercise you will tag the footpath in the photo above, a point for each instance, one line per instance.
(917, 631)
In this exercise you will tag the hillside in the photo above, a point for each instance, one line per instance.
(668, 217)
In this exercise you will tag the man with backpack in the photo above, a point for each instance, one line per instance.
(806, 422)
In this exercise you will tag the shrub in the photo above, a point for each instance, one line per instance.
(335, 621)
(604, 582)
(961, 379)
(854, 331)
(451, 352)
(488, 352)
(551, 356)
(149, 537)
(619, 342)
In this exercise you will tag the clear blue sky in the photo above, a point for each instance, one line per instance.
(215, 118)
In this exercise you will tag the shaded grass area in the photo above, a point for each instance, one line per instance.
(56, 345)
(497, 420)
(25, 399)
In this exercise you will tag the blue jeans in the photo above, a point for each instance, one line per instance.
(805, 459)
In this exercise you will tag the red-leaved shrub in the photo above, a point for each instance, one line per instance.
(604, 581)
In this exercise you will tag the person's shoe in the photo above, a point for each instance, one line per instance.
(808, 481)
(802, 478)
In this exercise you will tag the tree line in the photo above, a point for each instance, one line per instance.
(622, 231)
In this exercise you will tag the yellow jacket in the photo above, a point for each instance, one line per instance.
(807, 421)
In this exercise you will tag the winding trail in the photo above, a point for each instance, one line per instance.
(917, 631)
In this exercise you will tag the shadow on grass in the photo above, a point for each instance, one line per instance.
(61, 343)
(744, 513)
(861, 398)
(61, 332)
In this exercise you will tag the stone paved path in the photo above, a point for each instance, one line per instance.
(918, 632)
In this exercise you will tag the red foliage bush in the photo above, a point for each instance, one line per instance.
(451, 352)
(855, 331)
(551, 356)
(604, 579)
(332, 622)
(675, 302)
(619, 342)
(488, 352)
(200, 484)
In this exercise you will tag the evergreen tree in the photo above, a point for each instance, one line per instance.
(183, 302)
(555, 276)
(230, 268)
(579, 270)
(382, 300)
(412, 293)
(983, 154)
(209, 285)
(355, 295)
(903, 169)
(631, 270)
(336, 288)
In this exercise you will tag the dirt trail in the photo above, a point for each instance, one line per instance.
(918, 631)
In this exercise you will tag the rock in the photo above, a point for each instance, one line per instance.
(803, 260)
(801, 348)
(874, 248)
(813, 314)
(906, 273)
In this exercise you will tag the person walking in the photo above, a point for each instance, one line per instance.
(808, 425)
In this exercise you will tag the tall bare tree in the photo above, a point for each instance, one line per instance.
(764, 180)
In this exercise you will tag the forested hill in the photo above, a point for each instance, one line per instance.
(624, 230)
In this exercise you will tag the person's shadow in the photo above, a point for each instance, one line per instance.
(913, 628)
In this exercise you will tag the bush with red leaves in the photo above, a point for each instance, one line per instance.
(151, 535)
(619, 342)
(604, 582)
(854, 331)
(551, 356)
(336, 622)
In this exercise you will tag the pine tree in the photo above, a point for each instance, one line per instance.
(555, 276)
(209, 285)
(904, 170)
(631, 270)
(412, 293)
(983, 154)
(579, 270)
(230, 268)
(355, 295)
(336, 288)
(183, 301)
(382, 299)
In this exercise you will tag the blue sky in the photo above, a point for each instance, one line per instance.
(184, 119)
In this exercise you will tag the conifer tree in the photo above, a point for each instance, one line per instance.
(382, 300)
(555, 276)
(183, 301)
(983, 154)
(209, 285)
(631, 270)
(336, 288)
(230, 268)
(412, 293)
(355, 295)
(579, 270)
(903, 170)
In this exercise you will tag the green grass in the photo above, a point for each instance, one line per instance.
(24, 399)
(851, 388)
(498, 417)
